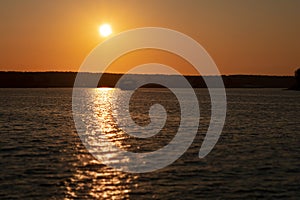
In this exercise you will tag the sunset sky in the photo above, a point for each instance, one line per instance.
(243, 37)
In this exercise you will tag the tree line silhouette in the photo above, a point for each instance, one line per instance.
(66, 79)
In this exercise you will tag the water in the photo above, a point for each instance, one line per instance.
(257, 155)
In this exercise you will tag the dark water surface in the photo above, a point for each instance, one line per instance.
(257, 155)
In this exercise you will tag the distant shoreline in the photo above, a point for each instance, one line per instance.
(66, 80)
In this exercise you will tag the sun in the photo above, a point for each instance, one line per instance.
(105, 30)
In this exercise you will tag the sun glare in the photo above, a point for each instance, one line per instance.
(105, 30)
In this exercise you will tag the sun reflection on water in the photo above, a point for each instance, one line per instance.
(91, 179)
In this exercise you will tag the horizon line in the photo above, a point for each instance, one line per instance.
(119, 73)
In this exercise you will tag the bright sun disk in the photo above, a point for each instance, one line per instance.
(105, 30)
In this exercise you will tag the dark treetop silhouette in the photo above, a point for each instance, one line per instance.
(296, 86)
(297, 76)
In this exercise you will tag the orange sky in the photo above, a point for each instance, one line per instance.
(139, 57)
(243, 37)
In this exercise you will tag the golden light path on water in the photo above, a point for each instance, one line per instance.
(92, 178)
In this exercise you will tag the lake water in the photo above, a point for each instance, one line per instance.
(257, 155)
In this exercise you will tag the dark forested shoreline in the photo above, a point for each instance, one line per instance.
(66, 79)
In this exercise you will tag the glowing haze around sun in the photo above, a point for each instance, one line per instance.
(105, 30)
